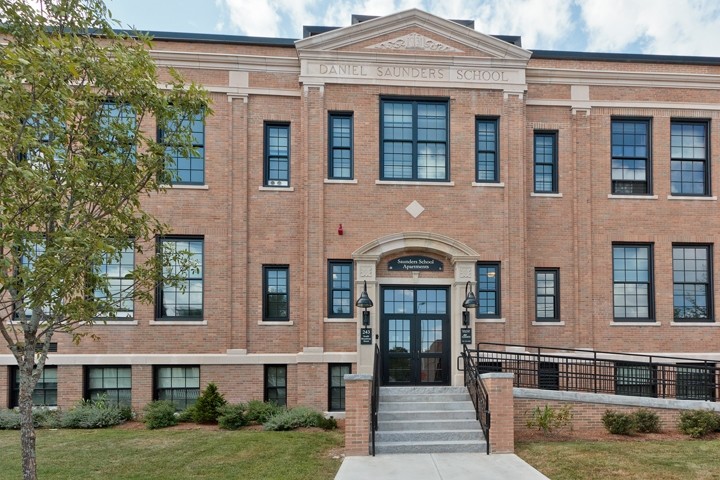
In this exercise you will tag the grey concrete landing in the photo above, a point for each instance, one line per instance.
(438, 466)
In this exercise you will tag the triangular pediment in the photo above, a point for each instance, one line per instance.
(413, 32)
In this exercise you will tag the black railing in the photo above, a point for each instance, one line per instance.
(375, 397)
(616, 373)
(478, 394)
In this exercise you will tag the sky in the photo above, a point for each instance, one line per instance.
(662, 27)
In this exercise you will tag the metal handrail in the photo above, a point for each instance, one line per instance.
(478, 394)
(375, 396)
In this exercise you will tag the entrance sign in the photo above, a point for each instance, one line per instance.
(466, 336)
(366, 336)
(415, 263)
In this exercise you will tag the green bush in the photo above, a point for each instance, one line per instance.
(9, 420)
(205, 409)
(232, 417)
(698, 423)
(42, 418)
(186, 416)
(647, 421)
(159, 414)
(261, 412)
(549, 419)
(299, 417)
(95, 414)
(619, 423)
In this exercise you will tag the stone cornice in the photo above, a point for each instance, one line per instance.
(616, 78)
(225, 61)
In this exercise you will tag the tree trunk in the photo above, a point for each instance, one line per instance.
(27, 429)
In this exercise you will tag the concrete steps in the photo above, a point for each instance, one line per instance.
(427, 420)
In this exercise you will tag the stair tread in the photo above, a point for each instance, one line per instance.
(432, 442)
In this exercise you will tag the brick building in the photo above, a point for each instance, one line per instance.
(413, 154)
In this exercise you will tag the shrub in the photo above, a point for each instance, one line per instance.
(95, 414)
(549, 419)
(186, 416)
(619, 423)
(9, 420)
(299, 417)
(42, 418)
(205, 409)
(647, 421)
(160, 414)
(260, 412)
(232, 417)
(698, 423)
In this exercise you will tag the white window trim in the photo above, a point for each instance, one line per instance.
(489, 184)
(276, 189)
(414, 182)
(338, 180)
(633, 197)
(698, 198)
(549, 195)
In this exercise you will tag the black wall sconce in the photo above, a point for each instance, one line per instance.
(470, 302)
(365, 303)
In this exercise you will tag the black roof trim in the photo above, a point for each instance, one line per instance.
(355, 18)
(625, 57)
(312, 30)
(214, 38)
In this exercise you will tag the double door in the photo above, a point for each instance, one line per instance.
(414, 336)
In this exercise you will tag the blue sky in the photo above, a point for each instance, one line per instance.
(670, 27)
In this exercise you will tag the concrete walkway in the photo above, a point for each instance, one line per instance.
(438, 466)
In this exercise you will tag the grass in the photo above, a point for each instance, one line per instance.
(175, 454)
(647, 460)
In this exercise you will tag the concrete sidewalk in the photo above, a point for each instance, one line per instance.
(438, 466)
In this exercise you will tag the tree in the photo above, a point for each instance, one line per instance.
(77, 154)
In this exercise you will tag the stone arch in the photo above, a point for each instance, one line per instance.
(421, 241)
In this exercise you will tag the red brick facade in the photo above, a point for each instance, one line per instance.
(413, 55)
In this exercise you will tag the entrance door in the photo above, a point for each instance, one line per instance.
(414, 336)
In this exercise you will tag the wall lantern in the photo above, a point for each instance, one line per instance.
(470, 302)
(365, 303)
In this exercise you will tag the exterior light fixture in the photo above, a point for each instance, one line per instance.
(365, 303)
(470, 302)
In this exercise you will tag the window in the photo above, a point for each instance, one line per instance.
(632, 283)
(340, 289)
(45, 393)
(120, 287)
(276, 384)
(118, 128)
(689, 167)
(489, 367)
(414, 140)
(635, 379)
(180, 385)
(486, 141)
(696, 382)
(35, 250)
(631, 172)
(113, 384)
(488, 275)
(546, 163)
(341, 146)
(275, 286)
(547, 294)
(692, 292)
(336, 386)
(184, 300)
(187, 168)
(548, 376)
(277, 154)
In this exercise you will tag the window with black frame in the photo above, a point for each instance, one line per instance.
(635, 379)
(630, 147)
(46, 389)
(486, 142)
(336, 386)
(689, 166)
(692, 289)
(632, 282)
(182, 300)
(488, 285)
(546, 162)
(277, 155)
(696, 382)
(180, 385)
(276, 279)
(414, 140)
(340, 150)
(276, 384)
(340, 289)
(109, 384)
(186, 167)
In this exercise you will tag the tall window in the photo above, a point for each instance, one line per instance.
(180, 385)
(414, 140)
(486, 141)
(276, 287)
(276, 384)
(45, 393)
(632, 282)
(635, 379)
(185, 299)
(631, 172)
(118, 126)
(488, 275)
(113, 384)
(341, 146)
(692, 292)
(340, 291)
(36, 250)
(277, 154)
(546, 162)
(689, 167)
(336, 386)
(547, 294)
(186, 167)
(120, 287)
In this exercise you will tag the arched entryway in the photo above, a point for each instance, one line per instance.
(417, 280)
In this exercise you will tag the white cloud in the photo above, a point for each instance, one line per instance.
(673, 27)
(255, 17)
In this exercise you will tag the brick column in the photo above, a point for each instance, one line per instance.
(358, 388)
(70, 385)
(142, 384)
(5, 386)
(502, 411)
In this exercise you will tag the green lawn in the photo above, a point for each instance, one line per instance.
(175, 454)
(642, 460)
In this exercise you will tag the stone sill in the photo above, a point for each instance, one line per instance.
(276, 324)
(178, 322)
(276, 189)
(697, 199)
(488, 184)
(549, 324)
(547, 195)
(420, 184)
(335, 180)
(633, 197)
(635, 324)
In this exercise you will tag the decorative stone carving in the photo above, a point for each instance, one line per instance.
(415, 209)
(465, 272)
(367, 272)
(414, 41)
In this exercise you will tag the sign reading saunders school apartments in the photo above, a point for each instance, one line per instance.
(416, 263)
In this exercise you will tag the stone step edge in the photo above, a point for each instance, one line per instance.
(437, 442)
